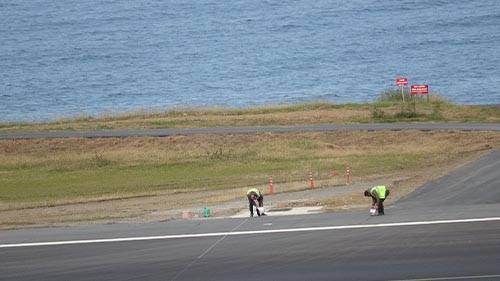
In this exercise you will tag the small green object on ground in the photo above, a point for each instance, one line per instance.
(206, 212)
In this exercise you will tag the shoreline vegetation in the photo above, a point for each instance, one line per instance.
(104, 180)
(389, 107)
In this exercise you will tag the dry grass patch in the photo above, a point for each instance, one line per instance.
(132, 177)
(299, 114)
(308, 113)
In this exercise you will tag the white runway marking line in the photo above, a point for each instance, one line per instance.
(249, 232)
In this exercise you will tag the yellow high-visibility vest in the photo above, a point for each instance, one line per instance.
(254, 190)
(380, 189)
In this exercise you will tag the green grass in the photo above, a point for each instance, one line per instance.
(389, 107)
(41, 173)
(35, 184)
(32, 184)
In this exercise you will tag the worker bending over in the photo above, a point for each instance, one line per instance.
(378, 195)
(255, 198)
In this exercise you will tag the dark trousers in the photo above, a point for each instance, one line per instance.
(260, 200)
(380, 209)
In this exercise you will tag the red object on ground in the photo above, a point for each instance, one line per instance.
(419, 89)
(311, 180)
(402, 81)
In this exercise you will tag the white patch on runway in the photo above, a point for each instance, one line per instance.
(283, 212)
(252, 232)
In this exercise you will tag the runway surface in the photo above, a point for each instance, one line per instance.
(251, 130)
(447, 230)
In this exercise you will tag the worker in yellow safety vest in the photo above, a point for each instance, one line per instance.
(255, 198)
(378, 194)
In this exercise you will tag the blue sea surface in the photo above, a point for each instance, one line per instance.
(70, 58)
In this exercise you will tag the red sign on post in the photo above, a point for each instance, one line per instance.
(419, 89)
(401, 81)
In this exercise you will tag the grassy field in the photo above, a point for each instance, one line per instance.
(59, 171)
(388, 108)
(47, 181)
(65, 181)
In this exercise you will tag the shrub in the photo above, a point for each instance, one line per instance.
(407, 114)
(392, 95)
(436, 112)
(378, 113)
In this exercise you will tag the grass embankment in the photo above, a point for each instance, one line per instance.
(57, 172)
(388, 108)
(48, 181)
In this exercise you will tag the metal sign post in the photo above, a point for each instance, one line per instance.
(400, 82)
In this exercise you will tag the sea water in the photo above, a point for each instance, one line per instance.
(71, 58)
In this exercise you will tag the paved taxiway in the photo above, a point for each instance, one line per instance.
(252, 130)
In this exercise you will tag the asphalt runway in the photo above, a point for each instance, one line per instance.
(447, 230)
